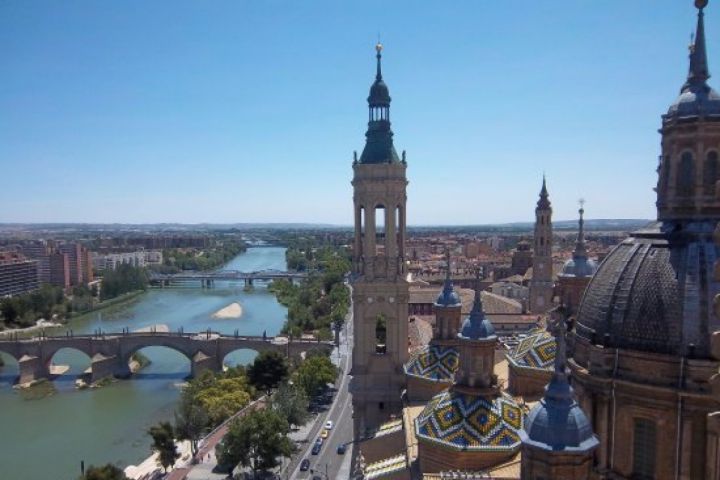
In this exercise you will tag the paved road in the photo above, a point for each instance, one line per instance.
(329, 464)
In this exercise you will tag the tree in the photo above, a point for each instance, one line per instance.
(106, 472)
(9, 310)
(223, 397)
(314, 374)
(268, 370)
(291, 402)
(256, 440)
(164, 444)
(191, 419)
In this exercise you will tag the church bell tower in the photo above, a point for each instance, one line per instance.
(541, 285)
(380, 291)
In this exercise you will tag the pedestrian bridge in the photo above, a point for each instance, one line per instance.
(207, 279)
(110, 353)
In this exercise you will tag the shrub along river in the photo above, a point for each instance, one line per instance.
(48, 437)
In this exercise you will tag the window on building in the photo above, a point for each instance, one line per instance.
(710, 173)
(685, 174)
(380, 230)
(380, 335)
(665, 174)
(644, 446)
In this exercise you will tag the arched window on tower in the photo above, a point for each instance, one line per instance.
(685, 174)
(644, 449)
(399, 232)
(380, 230)
(664, 174)
(710, 173)
(380, 334)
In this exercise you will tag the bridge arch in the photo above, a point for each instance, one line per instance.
(165, 359)
(9, 369)
(239, 356)
(78, 361)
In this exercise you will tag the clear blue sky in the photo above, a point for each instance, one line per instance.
(239, 111)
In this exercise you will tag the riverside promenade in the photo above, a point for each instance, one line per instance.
(205, 447)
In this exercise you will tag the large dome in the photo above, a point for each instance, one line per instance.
(699, 101)
(579, 267)
(654, 292)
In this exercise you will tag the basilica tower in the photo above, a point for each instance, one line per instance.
(541, 285)
(642, 356)
(380, 291)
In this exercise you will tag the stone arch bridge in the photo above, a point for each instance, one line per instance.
(110, 352)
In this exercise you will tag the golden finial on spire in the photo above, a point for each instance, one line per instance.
(700, 4)
(378, 47)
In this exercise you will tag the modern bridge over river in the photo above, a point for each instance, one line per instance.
(207, 279)
(110, 353)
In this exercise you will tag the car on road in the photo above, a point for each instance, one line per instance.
(342, 448)
(316, 448)
(328, 425)
(324, 433)
(305, 465)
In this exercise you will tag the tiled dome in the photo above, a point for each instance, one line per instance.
(535, 351)
(437, 363)
(464, 421)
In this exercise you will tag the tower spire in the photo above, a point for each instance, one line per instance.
(559, 388)
(379, 146)
(580, 244)
(698, 73)
(544, 201)
(378, 49)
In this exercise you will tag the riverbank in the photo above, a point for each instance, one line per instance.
(109, 425)
(119, 301)
(39, 325)
(234, 310)
(43, 324)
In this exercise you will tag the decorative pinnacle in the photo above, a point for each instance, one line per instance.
(447, 261)
(560, 348)
(698, 73)
(378, 49)
(580, 244)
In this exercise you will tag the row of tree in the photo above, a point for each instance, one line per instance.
(257, 439)
(321, 301)
(178, 259)
(124, 279)
(47, 302)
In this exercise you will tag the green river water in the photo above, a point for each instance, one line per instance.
(48, 437)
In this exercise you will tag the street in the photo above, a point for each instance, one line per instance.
(328, 464)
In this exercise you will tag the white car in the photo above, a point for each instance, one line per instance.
(328, 425)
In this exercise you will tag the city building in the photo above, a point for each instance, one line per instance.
(58, 269)
(140, 258)
(646, 346)
(80, 261)
(522, 258)
(17, 274)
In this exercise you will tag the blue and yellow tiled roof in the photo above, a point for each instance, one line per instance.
(535, 351)
(437, 363)
(465, 421)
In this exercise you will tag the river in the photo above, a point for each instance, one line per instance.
(48, 437)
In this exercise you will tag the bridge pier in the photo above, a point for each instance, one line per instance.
(31, 368)
(102, 367)
(201, 362)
